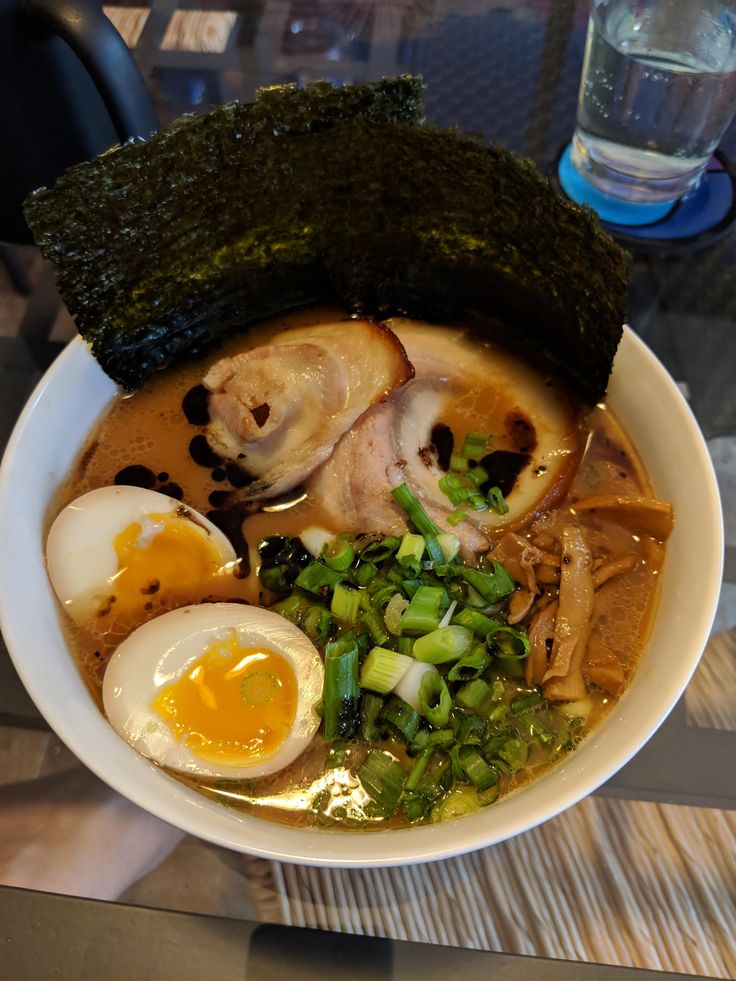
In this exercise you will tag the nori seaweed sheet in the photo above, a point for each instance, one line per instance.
(222, 219)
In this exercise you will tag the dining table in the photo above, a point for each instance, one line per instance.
(640, 876)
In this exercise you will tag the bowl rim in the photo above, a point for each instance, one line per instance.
(146, 785)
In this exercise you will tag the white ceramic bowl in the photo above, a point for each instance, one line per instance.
(42, 450)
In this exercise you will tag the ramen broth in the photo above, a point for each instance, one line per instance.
(149, 432)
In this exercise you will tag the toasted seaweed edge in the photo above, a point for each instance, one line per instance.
(387, 242)
(101, 223)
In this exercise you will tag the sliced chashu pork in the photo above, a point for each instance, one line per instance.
(354, 485)
(279, 409)
(454, 379)
(499, 393)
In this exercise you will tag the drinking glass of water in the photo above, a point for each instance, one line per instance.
(657, 92)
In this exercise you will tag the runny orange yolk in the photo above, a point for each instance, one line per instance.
(177, 557)
(235, 705)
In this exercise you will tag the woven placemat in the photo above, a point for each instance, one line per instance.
(609, 881)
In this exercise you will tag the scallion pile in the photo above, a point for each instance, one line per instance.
(466, 482)
(419, 662)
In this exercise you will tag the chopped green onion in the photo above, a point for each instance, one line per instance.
(479, 772)
(318, 579)
(510, 666)
(289, 554)
(475, 445)
(443, 645)
(456, 517)
(408, 502)
(457, 767)
(531, 700)
(382, 670)
(492, 587)
(292, 608)
(476, 476)
(434, 550)
(365, 573)
(338, 553)
(417, 771)
(345, 603)
(317, 623)
(514, 752)
(378, 552)
(459, 802)
(445, 621)
(479, 502)
(401, 718)
(459, 496)
(512, 643)
(507, 750)
(410, 586)
(473, 694)
(499, 712)
(379, 594)
(406, 646)
(471, 665)
(498, 689)
(364, 644)
(340, 694)
(491, 747)
(435, 700)
(409, 555)
(409, 686)
(477, 622)
(314, 539)
(458, 463)
(370, 709)
(373, 622)
(441, 738)
(454, 486)
(537, 730)
(393, 613)
(489, 795)
(471, 731)
(423, 612)
(383, 780)
(450, 545)
(497, 501)
(419, 742)
(417, 804)
(474, 599)
(274, 579)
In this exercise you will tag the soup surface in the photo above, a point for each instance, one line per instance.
(600, 504)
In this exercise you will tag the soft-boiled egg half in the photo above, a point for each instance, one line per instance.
(216, 690)
(122, 545)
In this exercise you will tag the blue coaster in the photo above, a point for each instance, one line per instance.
(701, 217)
(610, 210)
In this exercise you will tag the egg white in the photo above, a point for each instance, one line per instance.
(80, 549)
(164, 649)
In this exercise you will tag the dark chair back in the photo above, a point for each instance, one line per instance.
(69, 89)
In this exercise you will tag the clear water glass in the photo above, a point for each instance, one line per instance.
(657, 92)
